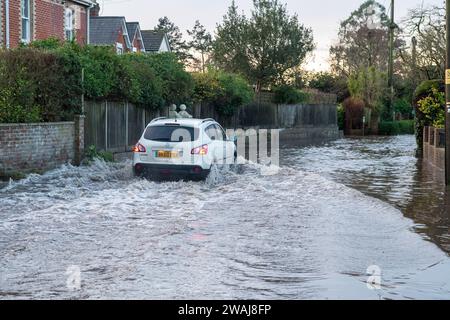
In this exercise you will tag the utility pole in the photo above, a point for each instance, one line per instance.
(414, 72)
(82, 93)
(447, 98)
(391, 58)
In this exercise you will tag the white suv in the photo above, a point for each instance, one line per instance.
(182, 148)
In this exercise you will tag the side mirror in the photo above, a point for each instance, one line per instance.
(232, 139)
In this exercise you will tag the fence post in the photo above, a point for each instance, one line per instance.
(106, 125)
(126, 128)
(79, 139)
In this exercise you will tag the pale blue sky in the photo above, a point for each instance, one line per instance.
(323, 16)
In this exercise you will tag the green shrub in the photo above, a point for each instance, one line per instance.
(104, 73)
(43, 81)
(206, 86)
(391, 128)
(403, 107)
(72, 87)
(51, 43)
(226, 91)
(432, 108)
(425, 88)
(12, 111)
(33, 80)
(146, 88)
(235, 92)
(91, 154)
(285, 94)
(406, 126)
(178, 84)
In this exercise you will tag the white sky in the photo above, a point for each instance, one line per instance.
(323, 16)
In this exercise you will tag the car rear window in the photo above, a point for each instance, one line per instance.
(171, 134)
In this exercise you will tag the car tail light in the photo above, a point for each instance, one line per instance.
(203, 150)
(139, 148)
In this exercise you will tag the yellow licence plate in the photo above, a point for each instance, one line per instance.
(166, 154)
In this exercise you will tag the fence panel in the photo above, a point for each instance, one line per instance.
(116, 122)
(95, 126)
(135, 124)
(116, 126)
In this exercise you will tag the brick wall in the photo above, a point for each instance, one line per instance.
(121, 39)
(81, 26)
(26, 147)
(15, 29)
(433, 147)
(47, 20)
(2, 18)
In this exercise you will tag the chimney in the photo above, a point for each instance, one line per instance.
(95, 10)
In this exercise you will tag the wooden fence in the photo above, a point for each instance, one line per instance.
(116, 126)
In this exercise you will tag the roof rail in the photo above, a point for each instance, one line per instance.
(208, 120)
(156, 119)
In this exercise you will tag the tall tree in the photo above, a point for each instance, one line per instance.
(263, 47)
(370, 85)
(362, 40)
(201, 43)
(427, 26)
(175, 36)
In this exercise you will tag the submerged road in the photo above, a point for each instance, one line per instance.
(309, 230)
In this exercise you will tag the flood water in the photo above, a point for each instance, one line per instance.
(309, 230)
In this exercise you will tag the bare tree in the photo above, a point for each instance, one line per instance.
(427, 26)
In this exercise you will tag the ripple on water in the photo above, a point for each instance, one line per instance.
(245, 232)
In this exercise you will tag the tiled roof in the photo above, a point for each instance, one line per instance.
(152, 40)
(104, 30)
(132, 27)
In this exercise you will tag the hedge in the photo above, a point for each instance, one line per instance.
(286, 94)
(427, 89)
(390, 128)
(43, 82)
(225, 91)
(37, 85)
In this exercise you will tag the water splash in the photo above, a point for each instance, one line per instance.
(294, 234)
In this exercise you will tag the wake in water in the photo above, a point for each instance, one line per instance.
(248, 231)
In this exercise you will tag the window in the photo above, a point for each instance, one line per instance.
(25, 12)
(119, 48)
(68, 24)
(171, 134)
(221, 136)
(211, 132)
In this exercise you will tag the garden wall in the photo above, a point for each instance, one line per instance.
(40, 146)
(434, 147)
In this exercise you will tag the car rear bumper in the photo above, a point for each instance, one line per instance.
(170, 171)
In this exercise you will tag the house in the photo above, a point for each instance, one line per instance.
(155, 41)
(24, 21)
(110, 31)
(134, 32)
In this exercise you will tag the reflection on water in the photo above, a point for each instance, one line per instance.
(385, 168)
(242, 234)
